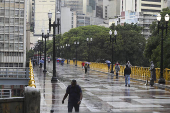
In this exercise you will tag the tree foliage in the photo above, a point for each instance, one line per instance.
(29, 54)
(129, 44)
(153, 46)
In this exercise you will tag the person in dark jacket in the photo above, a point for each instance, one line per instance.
(85, 67)
(75, 96)
(153, 74)
(127, 73)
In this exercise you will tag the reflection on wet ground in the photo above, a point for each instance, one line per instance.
(100, 92)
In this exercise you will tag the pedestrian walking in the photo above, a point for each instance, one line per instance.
(117, 68)
(153, 74)
(85, 68)
(127, 72)
(75, 96)
(88, 68)
(62, 62)
(83, 65)
(129, 65)
(108, 64)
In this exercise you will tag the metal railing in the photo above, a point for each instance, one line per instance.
(14, 76)
(7, 72)
(136, 71)
(5, 93)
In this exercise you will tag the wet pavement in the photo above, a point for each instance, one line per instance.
(101, 92)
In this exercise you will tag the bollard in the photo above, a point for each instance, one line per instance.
(31, 100)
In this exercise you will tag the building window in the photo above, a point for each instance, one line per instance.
(6, 64)
(151, 5)
(20, 64)
(152, 0)
(148, 10)
(1, 20)
(15, 64)
(10, 64)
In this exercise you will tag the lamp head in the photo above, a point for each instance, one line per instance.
(87, 39)
(42, 30)
(47, 30)
(115, 32)
(110, 32)
(66, 45)
(166, 17)
(91, 39)
(78, 42)
(159, 17)
(49, 14)
(58, 14)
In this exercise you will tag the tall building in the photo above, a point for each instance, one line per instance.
(12, 33)
(41, 9)
(68, 19)
(168, 3)
(99, 8)
(111, 9)
(74, 5)
(147, 11)
(83, 20)
(89, 7)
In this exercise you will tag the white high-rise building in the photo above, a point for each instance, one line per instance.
(74, 5)
(41, 9)
(68, 18)
(111, 9)
(147, 10)
(13, 33)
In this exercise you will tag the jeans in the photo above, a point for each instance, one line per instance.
(127, 79)
(71, 105)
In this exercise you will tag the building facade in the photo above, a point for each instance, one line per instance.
(13, 33)
(144, 12)
(83, 20)
(111, 9)
(68, 19)
(74, 5)
(41, 21)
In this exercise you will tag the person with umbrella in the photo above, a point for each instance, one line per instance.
(108, 64)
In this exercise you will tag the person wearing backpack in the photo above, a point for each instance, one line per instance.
(75, 96)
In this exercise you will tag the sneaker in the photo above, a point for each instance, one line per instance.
(128, 85)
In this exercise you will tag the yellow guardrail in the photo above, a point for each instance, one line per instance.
(31, 81)
(136, 71)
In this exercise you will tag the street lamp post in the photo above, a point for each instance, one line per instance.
(112, 39)
(89, 42)
(42, 30)
(54, 78)
(45, 36)
(39, 42)
(38, 53)
(76, 43)
(67, 47)
(161, 79)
